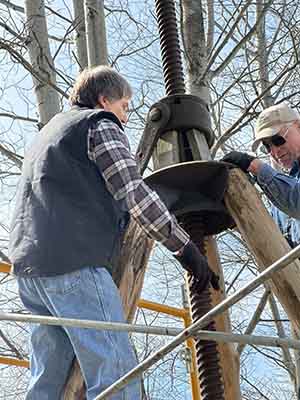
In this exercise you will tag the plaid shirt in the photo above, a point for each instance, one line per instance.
(109, 148)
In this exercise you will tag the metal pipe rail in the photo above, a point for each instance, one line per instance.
(220, 337)
(181, 335)
(223, 337)
(89, 324)
(189, 332)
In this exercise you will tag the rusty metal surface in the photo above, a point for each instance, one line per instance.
(170, 48)
(208, 360)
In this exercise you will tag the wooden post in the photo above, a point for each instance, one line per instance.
(229, 358)
(264, 240)
(134, 259)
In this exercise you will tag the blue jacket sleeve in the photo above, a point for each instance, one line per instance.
(281, 189)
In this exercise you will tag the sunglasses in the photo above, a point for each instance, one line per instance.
(276, 140)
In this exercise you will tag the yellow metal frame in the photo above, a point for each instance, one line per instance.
(14, 361)
(185, 315)
(149, 305)
(5, 268)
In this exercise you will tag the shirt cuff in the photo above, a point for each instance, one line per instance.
(177, 241)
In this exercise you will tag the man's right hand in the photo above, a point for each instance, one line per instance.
(196, 264)
(241, 160)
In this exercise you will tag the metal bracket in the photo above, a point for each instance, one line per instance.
(180, 113)
(188, 112)
(157, 118)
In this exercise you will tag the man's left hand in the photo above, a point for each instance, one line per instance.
(241, 160)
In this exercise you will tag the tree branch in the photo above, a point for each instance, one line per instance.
(18, 117)
(14, 7)
(233, 129)
(20, 59)
(245, 39)
(228, 36)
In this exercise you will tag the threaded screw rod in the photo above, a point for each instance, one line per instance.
(208, 359)
(170, 48)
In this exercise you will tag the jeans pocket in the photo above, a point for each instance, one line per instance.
(62, 284)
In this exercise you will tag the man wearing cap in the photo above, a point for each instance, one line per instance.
(278, 131)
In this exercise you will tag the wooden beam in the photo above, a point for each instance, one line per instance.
(134, 259)
(229, 358)
(264, 240)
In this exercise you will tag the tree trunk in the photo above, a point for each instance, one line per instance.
(95, 32)
(264, 240)
(195, 52)
(262, 54)
(81, 45)
(41, 60)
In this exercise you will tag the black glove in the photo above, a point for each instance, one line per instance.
(241, 160)
(196, 264)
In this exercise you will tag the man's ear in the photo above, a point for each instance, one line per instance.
(102, 101)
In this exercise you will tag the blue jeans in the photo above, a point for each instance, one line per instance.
(104, 356)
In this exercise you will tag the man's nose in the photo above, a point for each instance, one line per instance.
(276, 151)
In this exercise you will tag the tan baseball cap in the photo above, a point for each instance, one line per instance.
(271, 120)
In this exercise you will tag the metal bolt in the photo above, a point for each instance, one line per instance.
(155, 115)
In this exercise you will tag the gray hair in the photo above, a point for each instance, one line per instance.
(99, 81)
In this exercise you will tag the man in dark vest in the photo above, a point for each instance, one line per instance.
(78, 189)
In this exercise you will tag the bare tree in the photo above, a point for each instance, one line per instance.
(95, 32)
(41, 60)
(240, 57)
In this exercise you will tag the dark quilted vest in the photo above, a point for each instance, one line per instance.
(65, 218)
